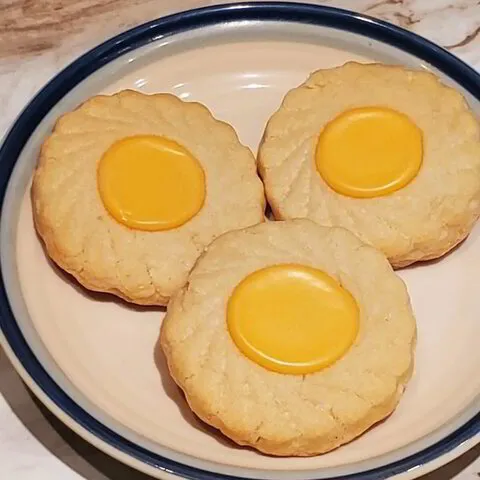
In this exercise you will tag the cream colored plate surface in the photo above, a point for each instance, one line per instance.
(101, 350)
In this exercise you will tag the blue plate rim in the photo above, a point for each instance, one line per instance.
(139, 36)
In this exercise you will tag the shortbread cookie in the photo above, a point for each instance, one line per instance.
(389, 153)
(131, 187)
(291, 337)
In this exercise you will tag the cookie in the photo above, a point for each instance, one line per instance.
(291, 337)
(389, 153)
(130, 188)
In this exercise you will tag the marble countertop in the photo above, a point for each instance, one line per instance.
(37, 39)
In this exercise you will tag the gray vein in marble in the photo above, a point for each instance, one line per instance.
(30, 27)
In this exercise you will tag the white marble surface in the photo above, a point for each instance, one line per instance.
(37, 39)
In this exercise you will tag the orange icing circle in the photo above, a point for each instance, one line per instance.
(292, 318)
(148, 182)
(369, 152)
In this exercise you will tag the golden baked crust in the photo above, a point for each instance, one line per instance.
(104, 255)
(421, 221)
(290, 414)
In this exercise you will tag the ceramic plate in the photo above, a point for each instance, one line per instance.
(90, 358)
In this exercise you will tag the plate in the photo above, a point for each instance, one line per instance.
(90, 358)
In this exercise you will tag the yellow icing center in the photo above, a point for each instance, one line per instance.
(369, 151)
(292, 318)
(150, 183)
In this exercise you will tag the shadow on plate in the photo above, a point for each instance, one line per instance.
(176, 394)
(90, 294)
(89, 462)
(427, 263)
(61, 442)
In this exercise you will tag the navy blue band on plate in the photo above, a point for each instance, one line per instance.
(65, 81)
